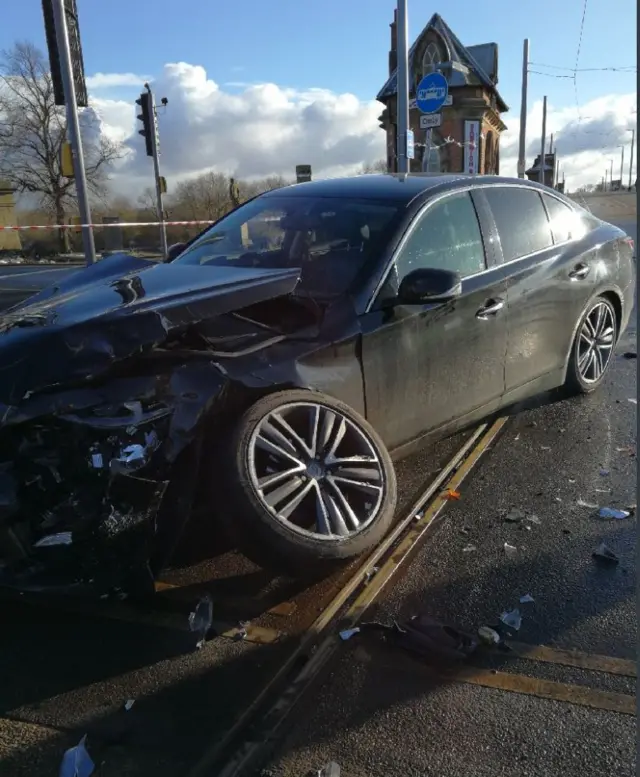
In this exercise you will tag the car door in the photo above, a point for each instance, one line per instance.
(426, 365)
(547, 285)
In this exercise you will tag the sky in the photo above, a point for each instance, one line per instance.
(255, 88)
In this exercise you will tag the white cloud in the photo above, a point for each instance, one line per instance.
(255, 130)
(586, 137)
(114, 80)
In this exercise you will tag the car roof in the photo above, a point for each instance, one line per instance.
(394, 186)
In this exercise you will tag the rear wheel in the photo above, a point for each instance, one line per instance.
(311, 483)
(593, 347)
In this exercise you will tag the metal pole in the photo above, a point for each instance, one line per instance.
(156, 170)
(542, 143)
(621, 168)
(556, 172)
(523, 110)
(73, 128)
(633, 138)
(611, 175)
(551, 144)
(403, 87)
(427, 151)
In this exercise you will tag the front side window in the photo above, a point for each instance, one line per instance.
(566, 223)
(447, 236)
(521, 220)
(330, 239)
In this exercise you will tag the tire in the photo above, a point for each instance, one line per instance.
(294, 544)
(577, 380)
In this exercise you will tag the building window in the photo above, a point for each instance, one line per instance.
(431, 58)
(439, 155)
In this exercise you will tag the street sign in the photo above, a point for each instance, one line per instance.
(303, 173)
(431, 93)
(411, 147)
(429, 120)
(446, 104)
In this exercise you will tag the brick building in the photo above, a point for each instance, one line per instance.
(472, 74)
(533, 173)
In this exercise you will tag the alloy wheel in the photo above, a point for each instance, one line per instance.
(596, 342)
(316, 471)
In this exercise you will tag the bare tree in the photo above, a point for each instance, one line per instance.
(32, 130)
(376, 167)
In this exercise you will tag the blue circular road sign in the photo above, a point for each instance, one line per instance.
(431, 93)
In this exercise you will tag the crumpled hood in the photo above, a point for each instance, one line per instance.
(116, 309)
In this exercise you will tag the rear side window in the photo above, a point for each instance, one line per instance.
(521, 219)
(566, 223)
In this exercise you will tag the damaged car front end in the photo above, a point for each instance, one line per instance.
(103, 398)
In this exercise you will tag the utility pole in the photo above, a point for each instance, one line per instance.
(403, 87)
(542, 143)
(611, 175)
(73, 128)
(523, 110)
(149, 132)
(633, 138)
(621, 168)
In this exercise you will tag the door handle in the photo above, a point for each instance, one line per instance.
(492, 308)
(580, 271)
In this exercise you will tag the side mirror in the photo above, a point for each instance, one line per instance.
(175, 250)
(426, 285)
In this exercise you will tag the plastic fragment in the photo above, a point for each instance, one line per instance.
(348, 633)
(514, 515)
(545, 447)
(517, 437)
(129, 704)
(534, 519)
(200, 620)
(512, 619)
(61, 538)
(526, 599)
(97, 461)
(329, 770)
(633, 400)
(469, 548)
(76, 762)
(451, 493)
(611, 512)
(510, 550)
(582, 503)
(488, 635)
(604, 473)
(605, 554)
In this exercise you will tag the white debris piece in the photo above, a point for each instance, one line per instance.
(61, 538)
(510, 550)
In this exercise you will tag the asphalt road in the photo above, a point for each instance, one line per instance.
(376, 712)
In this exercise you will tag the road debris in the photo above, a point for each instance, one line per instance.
(129, 704)
(588, 505)
(469, 548)
(451, 494)
(76, 762)
(332, 769)
(510, 550)
(425, 635)
(200, 620)
(630, 355)
(605, 555)
(514, 515)
(633, 400)
(526, 599)
(604, 473)
(489, 636)
(609, 513)
(534, 519)
(348, 633)
(512, 620)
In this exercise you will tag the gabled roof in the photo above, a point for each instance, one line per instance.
(481, 61)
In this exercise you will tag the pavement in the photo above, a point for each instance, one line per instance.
(378, 711)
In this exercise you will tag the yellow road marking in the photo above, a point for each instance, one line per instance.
(589, 661)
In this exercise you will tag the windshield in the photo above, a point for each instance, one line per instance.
(330, 239)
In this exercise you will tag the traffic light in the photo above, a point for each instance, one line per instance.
(144, 101)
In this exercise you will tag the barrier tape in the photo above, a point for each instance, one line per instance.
(106, 226)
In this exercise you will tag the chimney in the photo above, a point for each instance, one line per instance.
(393, 52)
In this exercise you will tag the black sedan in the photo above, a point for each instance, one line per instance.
(266, 377)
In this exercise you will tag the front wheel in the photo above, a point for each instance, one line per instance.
(593, 347)
(311, 482)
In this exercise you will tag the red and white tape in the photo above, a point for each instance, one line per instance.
(106, 226)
